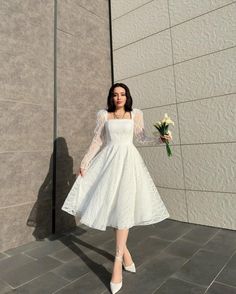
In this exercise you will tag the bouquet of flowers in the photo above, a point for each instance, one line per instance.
(162, 127)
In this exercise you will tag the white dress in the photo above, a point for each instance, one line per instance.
(117, 189)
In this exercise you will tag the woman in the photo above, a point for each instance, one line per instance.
(114, 187)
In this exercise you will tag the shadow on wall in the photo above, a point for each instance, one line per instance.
(41, 214)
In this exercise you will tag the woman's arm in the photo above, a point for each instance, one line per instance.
(97, 140)
(139, 129)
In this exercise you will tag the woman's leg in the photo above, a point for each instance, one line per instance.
(127, 257)
(121, 238)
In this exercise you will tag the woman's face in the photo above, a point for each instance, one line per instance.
(119, 97)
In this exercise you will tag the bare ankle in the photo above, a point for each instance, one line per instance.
(119, 251)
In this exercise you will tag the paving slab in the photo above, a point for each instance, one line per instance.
(170, 257)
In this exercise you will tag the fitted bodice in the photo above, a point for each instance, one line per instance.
(119, 131)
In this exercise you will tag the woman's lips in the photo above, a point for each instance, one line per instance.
(119, 102)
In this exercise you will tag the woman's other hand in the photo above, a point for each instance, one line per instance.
(166, 138)
(81, 172)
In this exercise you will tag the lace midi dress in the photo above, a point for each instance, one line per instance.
(117, 189)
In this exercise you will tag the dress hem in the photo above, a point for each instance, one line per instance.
(143, 223)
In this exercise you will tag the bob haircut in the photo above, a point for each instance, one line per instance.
(110, 102)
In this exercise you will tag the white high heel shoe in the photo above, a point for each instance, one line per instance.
(130, 268)
(115, 287)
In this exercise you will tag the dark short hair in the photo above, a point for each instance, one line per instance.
(110, 103)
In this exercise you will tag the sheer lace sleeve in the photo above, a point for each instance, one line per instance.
(97, 141)
(139, 129)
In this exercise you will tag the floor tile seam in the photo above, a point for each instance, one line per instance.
(190, 282)
(195, 253)
(224, 284)
(63, 261)
(171, 242)
(226, 263)
(67, 246)
(177, 239)
(27, 249)
(75, 280)
(42, 274)
(35, 258)
(6, 255)
(22, 265)
(42, 246)
(5, 282)
(159, 237)
(187, 259)
(93, 237)
(213, 236)
(59, 276)
(89, 250)
(219, 229)
(177, 278)
(150, 258)
(25, 283)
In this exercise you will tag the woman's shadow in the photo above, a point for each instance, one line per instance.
(47, 208)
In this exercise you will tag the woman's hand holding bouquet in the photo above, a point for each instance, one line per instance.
(165, 134)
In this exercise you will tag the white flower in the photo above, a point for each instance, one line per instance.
(169, 121)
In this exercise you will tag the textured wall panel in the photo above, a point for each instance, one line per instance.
(155, 88)
(149, 19)
(136, 59)
(27, 107)
(208, 120)
(18, 232)
(24, 78)
(121, 7)
(83, 79)
(175, 201)
(207, 76)
(165, 171)
(212, 209)
(26, 29)
(193, 60)
(98, 7)
(210, 167)
(87, 26)
(26, 127)
(220, 34)
(187, 9)
(29, 173)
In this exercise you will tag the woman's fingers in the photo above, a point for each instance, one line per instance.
(167, 137)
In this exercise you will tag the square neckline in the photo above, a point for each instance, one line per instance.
(131, 119)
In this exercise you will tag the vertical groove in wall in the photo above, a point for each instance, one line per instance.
(177, 114)
(111, 47)
(54, 123)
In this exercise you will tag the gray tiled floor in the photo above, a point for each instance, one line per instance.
(171, 257)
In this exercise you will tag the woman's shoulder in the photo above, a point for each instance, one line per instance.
(101, 112)
(137, 111)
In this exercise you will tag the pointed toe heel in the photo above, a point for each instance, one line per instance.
(130, 268)
(115, 287)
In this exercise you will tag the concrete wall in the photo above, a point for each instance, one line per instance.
(35, 116)
(179, 57)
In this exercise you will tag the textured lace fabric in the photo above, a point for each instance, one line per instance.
(97, 141)
(139, 129)
(99, 135)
